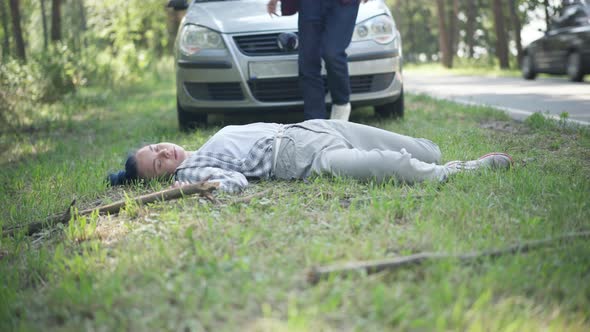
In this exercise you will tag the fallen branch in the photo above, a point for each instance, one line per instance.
(202, 188)
(315, 274)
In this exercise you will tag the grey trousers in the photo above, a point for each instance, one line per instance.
(349, 149)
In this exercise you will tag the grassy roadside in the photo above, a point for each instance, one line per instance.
(190, 264)
(467, 68)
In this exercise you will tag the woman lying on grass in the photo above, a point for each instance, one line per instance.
(295, 151)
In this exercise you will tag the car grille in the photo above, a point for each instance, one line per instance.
(287, 89)
(259, 45)
(276, 89)
(215, 91)
(370, 83)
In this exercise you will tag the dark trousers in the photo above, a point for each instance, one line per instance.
(325, 31)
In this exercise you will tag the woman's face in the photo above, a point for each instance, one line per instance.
(160, 159)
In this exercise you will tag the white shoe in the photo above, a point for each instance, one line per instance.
(494, 160)
(340, 112)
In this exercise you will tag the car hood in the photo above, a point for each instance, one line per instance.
(238, 16)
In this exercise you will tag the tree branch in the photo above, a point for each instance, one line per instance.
(202, 188)
(315, 274)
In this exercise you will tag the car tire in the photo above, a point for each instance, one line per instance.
(392, 110)
(189, 120)
(574, 67)
(528, 67)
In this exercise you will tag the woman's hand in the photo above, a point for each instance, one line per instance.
(179, 184)
(271, 7)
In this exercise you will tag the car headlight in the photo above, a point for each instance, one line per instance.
(380, 29)
(194, 38)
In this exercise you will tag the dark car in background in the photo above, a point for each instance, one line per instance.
(565, 48)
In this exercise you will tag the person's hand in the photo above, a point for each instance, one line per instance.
(271, 7)
(179, 184)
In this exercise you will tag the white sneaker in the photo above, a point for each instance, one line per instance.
(494, 160)
(340, 112)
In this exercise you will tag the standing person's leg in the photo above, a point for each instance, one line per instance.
(340, 23)
(311, 27)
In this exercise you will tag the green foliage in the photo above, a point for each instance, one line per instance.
(127, 37)
(81, 228)
(43, 79)
(110, 42)
(416, 21)
(117, 43)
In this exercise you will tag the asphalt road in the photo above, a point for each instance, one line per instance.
(518, 97)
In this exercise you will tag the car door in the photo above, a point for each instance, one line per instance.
(558, 41)
(580, 32)
(548, 47)
(545, 53)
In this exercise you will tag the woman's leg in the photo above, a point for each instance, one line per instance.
(377, 164)
(367, 138)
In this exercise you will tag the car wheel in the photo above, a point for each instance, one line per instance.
(189, 120)
(528, 67)
(574, 67)
(392, 110)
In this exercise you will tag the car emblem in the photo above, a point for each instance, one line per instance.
(288, 42)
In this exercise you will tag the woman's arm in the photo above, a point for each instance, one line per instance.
(229, 181)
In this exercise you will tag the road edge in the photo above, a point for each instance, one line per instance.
(516, 114)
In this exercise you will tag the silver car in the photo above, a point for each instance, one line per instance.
(232, 56)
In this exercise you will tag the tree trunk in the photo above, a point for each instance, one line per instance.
(443, 36)
(547, 17)
(501, 40)
(44, 21)
(412, 35)
(6, 40)
(83, 25)
(174, 18)
(454, 28)
(517, 28)
(55, 20)
(470, 28)
(16, 30)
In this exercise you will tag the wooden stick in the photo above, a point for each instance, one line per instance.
(315, 274)
(202, 188)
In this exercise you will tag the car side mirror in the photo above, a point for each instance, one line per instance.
(177, 4)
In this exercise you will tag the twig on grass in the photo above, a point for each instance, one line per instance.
(202, 188)
(315, 274)
(210, 198)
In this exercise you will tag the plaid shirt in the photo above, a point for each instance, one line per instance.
(226, 160)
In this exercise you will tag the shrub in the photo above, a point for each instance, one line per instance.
(45, 78)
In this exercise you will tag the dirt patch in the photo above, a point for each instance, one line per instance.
(111, 230)
(511, 127)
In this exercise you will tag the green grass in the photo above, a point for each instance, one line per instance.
(191, 264)
(465, 67)
(462, 68)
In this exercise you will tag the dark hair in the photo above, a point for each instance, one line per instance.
(126, 176)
